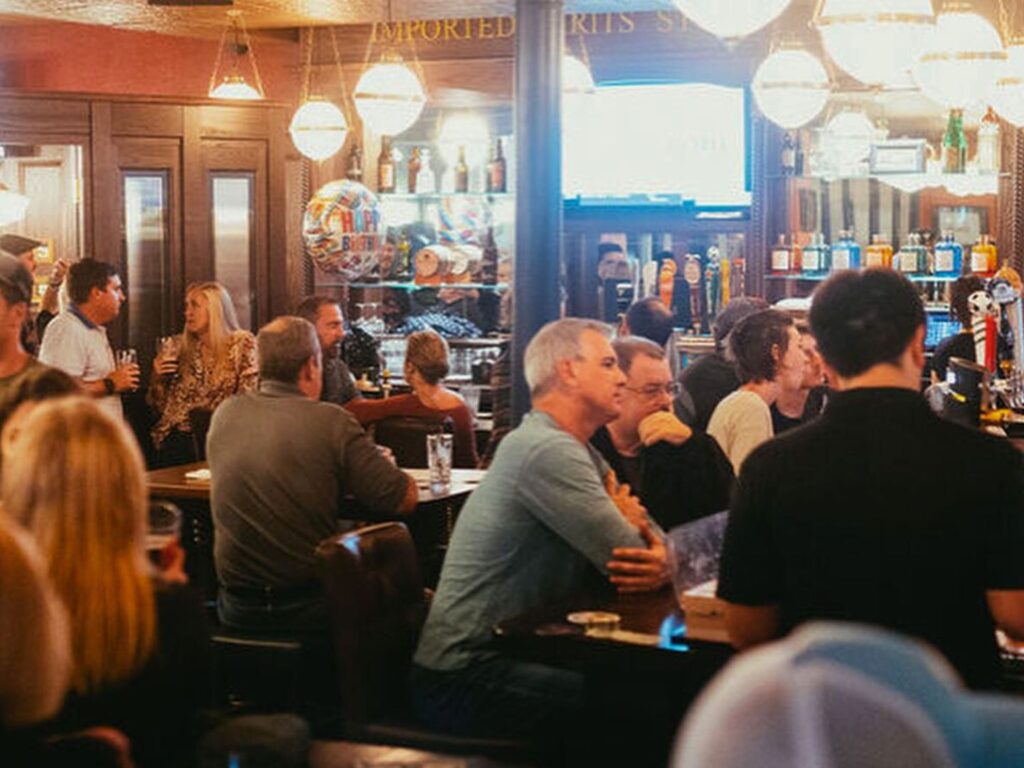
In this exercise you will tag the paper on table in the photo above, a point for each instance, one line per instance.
(199, 475)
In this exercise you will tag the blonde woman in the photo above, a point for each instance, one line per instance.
(76, 480)
(426, 365)
(210, 361)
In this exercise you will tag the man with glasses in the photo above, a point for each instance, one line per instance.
(679, 475)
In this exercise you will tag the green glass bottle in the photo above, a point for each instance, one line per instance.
(954, 143)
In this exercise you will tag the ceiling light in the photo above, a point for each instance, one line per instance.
(234, 85)
(875, 41)
(791, 87)
(389, 97)
(318, 129)
(1008, 95)
(731, 19)
(848, 138)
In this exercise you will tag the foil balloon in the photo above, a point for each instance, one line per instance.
(344, 229)
(461, 219)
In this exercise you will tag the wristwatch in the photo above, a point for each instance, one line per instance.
(108, 385)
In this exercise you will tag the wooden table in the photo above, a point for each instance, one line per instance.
(636, 694)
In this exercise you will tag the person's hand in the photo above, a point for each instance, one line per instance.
(60, 269)
(125, 378)
(637, 569)
(172, 564)
(663, 426)
(388, 454)
(628, 504)
(165, 366)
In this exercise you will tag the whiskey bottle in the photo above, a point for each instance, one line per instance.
(462, 172)
(496, 170)
(879, 253)
(355, 164)
(385, 167)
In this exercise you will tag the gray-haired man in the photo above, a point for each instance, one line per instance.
(539, 527)
(281, 464)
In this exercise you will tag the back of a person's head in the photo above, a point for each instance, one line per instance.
(557, 341)
(864, 319)
(35, 654)
(283, 346)
(427, 353)
(960, 292)
(757, 343)
(36, 385)
(651, 319)
(87, 274)
(76, 479)
(309, 307)
(732, 313)
(833, 696)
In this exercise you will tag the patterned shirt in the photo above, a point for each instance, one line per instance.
(198, 385)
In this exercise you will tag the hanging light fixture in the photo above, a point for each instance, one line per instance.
(961, 60)
(875, 41)
(791, 87)
(1008, 95)
(848, 137)
(467, 130)
(389, 96)
(13, 206)
(318, 128)
(731, 19)
(234, 85)
(576, 77)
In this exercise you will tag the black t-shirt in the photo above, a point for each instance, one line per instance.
(708, 380)
(880, 512)
(816, 399)
(958, 345)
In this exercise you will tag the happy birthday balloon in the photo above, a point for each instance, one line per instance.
(344, 229)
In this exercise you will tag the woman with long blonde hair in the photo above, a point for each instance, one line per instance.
(76, 480)
(210, 361)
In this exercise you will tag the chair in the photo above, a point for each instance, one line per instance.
(199, 423)
(406, 436)
(376, 606)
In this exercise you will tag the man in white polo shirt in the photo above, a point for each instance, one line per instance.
(76, 341)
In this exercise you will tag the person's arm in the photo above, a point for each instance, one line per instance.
(465, 439)
(50, 302)
(65, 351)
(1005, 530)
(749, 625)
(641, 569)
(248, 369)
(381, 488)
(368, 411)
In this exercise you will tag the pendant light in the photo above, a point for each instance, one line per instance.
(1008, 95)
(731, 19)
(875, 41)
(13, 206)
(791, 87)
(234, 85)
(318, 127)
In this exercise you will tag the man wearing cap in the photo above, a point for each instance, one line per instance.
(15, 296)
(879, 511)
(24, 250)
(76, 341)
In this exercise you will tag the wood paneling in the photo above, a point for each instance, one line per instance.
(232, 122)
(41, 117)
(147, 119)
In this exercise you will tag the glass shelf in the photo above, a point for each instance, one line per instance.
(408, 286)
(427, 197)
(825, 276)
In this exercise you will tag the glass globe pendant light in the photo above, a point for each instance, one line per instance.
(318, 127)
(389, 97)
(791, 87)
(731, 19)
(234, 85)
(1008, 95)
(848, 137)
(962, 59)
(875, 41)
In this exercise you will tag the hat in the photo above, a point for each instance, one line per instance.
(15, 245)
(15, 275)
(837, 695)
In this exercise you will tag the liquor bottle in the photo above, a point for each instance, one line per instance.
(799, 168)
(984, 257)
(846, 252)
(788, 154)
(782, 257)
(413, 169)
(489, 259)
(912, 258)
(988, 143)
(496, 170)
(427, 181)
(816, 256)
(385, 167)
(879, 253)
(462, 172)
(403, 250)
(949, 256)
(712, 283)
(954, 143)
(355, 164)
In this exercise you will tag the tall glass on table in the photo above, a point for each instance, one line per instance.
(439, 463)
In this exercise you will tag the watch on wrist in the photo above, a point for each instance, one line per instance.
(108, 385)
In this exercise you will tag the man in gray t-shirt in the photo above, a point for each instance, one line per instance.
(542, 523)
(282, 464)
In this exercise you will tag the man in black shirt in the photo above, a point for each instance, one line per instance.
(325, 315)
(879, 512)
(679, 475)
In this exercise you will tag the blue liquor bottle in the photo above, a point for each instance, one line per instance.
(949, 256)
(845, 252)
(816, 256)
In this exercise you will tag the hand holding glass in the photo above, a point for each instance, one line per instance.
(163, 535)
(166, 361)
(439, 463)
(127, 369)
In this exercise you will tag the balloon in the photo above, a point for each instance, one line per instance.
(462, 219)
(344, 229)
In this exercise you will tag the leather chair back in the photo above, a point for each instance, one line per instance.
(406, 436)
(376, 606)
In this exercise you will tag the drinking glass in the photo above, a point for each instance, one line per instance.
(167, 347)
(163, 533)
(126, 357)
(439, 463)
(471, 394)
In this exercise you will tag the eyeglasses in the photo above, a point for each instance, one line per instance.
(671, 389)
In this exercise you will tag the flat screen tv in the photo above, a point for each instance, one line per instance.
(675, 144)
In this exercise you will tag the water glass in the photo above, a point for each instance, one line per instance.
(471, 394)
(439, 463)
(162, 533)
(167, 347)
(126, 357)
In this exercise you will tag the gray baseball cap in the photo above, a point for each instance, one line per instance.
(15, 245)
(16, 276)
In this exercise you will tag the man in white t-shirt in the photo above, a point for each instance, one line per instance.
(76, 341)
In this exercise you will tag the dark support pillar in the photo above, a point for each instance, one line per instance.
(538, 113)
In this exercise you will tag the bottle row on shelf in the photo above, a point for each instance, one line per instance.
(914, 258)
(420, 177)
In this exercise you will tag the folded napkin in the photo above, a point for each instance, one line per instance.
(202, 475)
